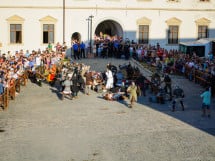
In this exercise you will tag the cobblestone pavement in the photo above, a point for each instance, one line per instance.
(38, 126)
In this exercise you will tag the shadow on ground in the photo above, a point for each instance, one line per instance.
(191, 115)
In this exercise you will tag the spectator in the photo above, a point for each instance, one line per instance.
(206, 101)
(82, 47)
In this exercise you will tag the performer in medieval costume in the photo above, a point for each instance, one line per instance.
(67, 88)
(132, 90)
(89, 82)
(75, 84)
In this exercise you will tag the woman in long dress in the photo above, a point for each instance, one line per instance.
(109, 76)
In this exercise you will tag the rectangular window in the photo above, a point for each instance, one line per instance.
(173, 1)
(202, 32)
(143, 34)
(48, 33)
(143, 0)
(15, 33)
(173, 35)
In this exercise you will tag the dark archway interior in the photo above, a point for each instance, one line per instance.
(109, 27)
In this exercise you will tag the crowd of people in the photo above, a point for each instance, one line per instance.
(14, 65)
(47, 65)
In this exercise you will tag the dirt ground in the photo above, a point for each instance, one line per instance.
(38, 126)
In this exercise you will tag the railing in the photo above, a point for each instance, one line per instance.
(198, 76)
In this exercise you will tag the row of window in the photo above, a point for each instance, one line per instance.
(48, 33)
(16, 33)
(173, 35)
(180, 0)
(152, 0)
(167, 0)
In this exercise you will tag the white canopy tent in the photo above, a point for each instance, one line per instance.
(201, 47)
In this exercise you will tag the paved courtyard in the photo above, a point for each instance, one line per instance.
(38, 126)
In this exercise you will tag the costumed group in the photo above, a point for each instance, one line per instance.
(77, 77)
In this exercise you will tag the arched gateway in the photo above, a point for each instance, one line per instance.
(109, 27)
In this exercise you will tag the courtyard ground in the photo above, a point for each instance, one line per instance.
(38, 126)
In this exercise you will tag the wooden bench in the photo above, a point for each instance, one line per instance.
(24, 78)
(12, 92)
(18, 85)
(200, 78)
(203, 82)
(4, 99)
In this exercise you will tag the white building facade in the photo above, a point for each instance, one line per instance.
(32, 24)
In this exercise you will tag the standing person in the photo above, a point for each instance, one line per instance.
(50, 47)
(82, 47)
(141, 82)
(67, 88)
(178, 97)
(206, 96)
(75, 84)
(64, 47)
(109, 76)
(126, 49)
(89, 82)
(168, 85)
(132, 90)
(58, 47)
(75, 50)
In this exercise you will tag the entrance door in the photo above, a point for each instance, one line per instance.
(109, 27)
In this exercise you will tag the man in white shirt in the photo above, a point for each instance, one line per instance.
(38, 60)
(109, 75)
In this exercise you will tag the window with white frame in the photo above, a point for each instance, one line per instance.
(48, 33)
(202, 31)
(143, 0)
(173, 0)
(48, 24)
(143, 34)
(173, 30)
(15, 29)
(173, 34)
(15, 33)
(202, 27)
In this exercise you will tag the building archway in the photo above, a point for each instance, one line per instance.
(109, 27)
